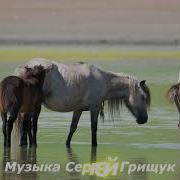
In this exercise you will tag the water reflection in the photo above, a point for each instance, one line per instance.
(28, 156)
(136, 175)
(93, 160)
(93, 154)
(72, 157)
(139, 175)
(20, 156)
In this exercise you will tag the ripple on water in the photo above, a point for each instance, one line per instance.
(158, 146)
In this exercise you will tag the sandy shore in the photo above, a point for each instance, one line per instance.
(89, 22)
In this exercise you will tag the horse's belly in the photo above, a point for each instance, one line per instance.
(63, 104)
(31, 101)
(30, 107)
(26, 109)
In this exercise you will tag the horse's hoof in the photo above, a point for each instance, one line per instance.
(68, 145)
(33, 146)
(23, 145)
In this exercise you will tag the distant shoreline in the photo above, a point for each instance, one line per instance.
(173, 42)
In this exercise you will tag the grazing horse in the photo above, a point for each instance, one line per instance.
(23, 97)
(173, 96)
(84, 87)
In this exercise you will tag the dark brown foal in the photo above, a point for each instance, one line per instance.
(23, 97)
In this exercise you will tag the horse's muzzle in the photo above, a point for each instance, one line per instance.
(142, 119)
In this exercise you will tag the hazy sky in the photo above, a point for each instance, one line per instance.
(147, 4)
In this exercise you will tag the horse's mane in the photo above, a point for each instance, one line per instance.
(114, 104)
(74, 72)
(31, 81)
(33, 76)
(148, 94)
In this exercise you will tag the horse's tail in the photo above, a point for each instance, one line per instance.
(16, 129)
(11, 94)
(6, 98)
(1, 100)
(173, 93)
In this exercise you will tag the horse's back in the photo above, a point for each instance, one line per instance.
(75, 86)
(11, 80)
(71, 70)
(69, 86)
(66, 86)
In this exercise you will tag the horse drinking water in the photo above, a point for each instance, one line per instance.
(23, 97)
(84, 87)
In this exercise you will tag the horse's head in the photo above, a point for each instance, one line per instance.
(138, 102)
(173, 93)
(37, 72)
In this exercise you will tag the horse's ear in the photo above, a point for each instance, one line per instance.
(27, 68)
(142, 83)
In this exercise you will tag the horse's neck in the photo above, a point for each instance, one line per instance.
(118, 85)
(33, 82)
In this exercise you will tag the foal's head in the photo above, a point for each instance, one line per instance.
(37, 73)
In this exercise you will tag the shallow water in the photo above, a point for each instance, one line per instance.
(156, 142)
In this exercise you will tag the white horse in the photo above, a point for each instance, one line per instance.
(85, 87)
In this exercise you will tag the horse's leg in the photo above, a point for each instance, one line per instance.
(23, 133)
(34, 126)
(93, 154)
(29, 131)
(4, 119)
(9, 124)
(74, 123)
(94, 121)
